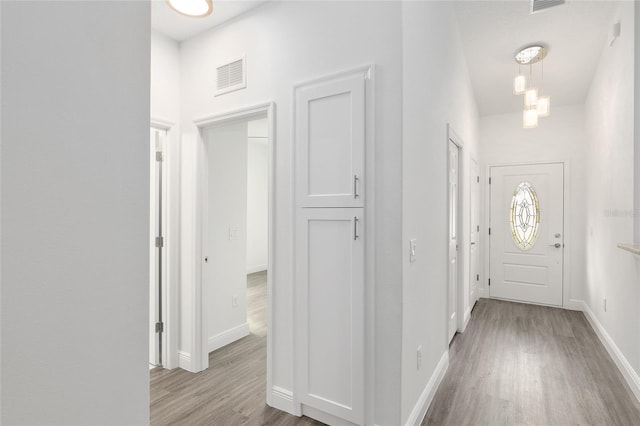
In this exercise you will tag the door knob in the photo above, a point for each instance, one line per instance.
(558, 235)
(556, 245)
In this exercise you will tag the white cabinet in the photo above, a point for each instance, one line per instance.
(330, 142)
(330, 247)
(330, 302)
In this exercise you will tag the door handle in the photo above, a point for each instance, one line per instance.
(355, 228)
(556, 245)
(473, 243)
(355, 186)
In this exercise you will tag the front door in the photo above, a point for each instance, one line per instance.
(527, 233)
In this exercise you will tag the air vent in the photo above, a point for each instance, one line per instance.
(231, 76)
(538, 5)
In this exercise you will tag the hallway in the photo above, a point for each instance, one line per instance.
(528, 364)
(232, 390)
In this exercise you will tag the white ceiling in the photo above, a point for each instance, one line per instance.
(492, 31)
(179, 27)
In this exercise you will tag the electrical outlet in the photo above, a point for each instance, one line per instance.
(419, 357)
(604, 304)
(234, 301)
(412, 250)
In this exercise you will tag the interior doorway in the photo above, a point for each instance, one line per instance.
(157, 250)
(454, 225)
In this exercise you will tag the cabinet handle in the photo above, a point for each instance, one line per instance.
(355, 186)
(355, 228)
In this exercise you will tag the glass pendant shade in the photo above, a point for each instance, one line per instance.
(530, 118)
(530, 98)
(543, 106)
(193, 8)
(519, 85)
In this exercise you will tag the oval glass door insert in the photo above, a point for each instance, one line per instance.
(524, 216)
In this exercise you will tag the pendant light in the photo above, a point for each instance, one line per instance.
(192, 8)
(534, 105)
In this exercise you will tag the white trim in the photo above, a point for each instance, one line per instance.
(192, 240)
(228, 336)
(282, 399)
(185, 362)
(467, 317)
(325, 418)
(161, 124)
(256, 268)
(574, 305)
(421, 407)
(629, 374)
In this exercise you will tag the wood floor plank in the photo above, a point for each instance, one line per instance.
(519, 364)
(232, 390)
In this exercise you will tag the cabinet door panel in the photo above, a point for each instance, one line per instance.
(330, 311)
(330, 140)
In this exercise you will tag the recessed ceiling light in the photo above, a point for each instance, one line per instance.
(192, 8)
(531, 54)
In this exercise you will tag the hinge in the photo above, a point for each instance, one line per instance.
(478, 228)
(159, 327)
(489, 282)
(159, 156)
(489, 231)
(478, 179)
(489, 180)
(159, 241)
(478, 277)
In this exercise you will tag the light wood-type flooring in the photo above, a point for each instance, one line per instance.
(232, 391)
(519, 364)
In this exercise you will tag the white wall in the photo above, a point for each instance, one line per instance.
(559, 137)
(225, 242)
(257, 196)
(75, 212)
(257, 205)
(611, 272)
(289, 43)
(436, 91)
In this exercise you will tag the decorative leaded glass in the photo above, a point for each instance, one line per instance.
(524, 216)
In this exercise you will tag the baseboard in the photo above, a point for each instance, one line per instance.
(228, 336)
(282, 399)
(184, 361)
(257, 268)
(574, 305)
(466, 319)
(421, 407)
(325, 418)
(629, 374)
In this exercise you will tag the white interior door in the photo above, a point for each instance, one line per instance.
(330, 300)
(453, 237)
(474, 239)
(157, 268)
(527, 233)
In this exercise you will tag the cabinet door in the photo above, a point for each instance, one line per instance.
(330, 143)
(330, 311)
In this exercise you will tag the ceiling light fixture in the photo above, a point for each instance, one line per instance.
(192, 8)
(534, 105)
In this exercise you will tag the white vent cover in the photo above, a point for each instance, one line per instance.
(231, 76)
(538, 5)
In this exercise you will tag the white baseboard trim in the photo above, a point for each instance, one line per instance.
(256, 268)
(282, 399)
(630, 375)
(228, 336)
(323, 417)
(421, 407)
(574, 305)
(466, 319)
(184, 361)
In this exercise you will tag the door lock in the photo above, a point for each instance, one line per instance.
(558, 235)
(556, 245)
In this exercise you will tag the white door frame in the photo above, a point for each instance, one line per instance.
(567, 301)
(197, 200)
(171, 262)
(463, 240)
(474, 180)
